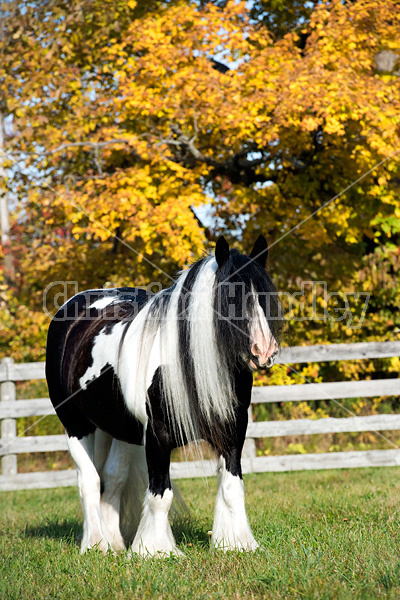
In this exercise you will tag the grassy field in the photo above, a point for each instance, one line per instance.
(326, 534)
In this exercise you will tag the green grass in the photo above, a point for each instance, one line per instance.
(326, 534)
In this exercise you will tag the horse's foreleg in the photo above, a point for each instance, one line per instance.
(154, 535)
(82, 451)
(231, 529)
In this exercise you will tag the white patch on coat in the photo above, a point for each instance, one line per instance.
(104, 351)
(231, 529)
(87, 293)
(154, 535)
(260, 324)
(82, 451)
(103, 302)
(260, 332)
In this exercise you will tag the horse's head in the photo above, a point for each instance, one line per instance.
(248, 311)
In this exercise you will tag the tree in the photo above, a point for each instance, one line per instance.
(129, 118)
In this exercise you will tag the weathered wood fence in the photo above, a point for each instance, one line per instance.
(11, 409)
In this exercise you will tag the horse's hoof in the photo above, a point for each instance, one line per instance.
(101, 545)
(145, 553)
(237, 546)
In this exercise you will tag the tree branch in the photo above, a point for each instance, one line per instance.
(207, 232)
(237, 167)
(86, 144)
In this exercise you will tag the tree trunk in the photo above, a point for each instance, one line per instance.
(9, 270)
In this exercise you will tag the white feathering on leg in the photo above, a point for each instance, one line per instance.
(154, 535)
(231, 530)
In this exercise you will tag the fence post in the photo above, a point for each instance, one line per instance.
(249, 447)
(8, 426)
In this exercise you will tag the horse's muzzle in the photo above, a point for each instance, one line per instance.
(270, 361)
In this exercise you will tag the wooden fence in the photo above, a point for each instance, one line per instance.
(11, 409)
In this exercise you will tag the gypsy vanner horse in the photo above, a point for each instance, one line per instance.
(133, 375)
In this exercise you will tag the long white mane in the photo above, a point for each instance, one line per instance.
(186, 345)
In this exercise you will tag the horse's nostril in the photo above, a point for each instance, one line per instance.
(270, 361)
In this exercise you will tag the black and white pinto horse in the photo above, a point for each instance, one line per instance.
(133, 375)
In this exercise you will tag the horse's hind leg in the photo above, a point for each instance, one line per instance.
(133, 494)
(114, 477)
(82, 451)
(102, 446)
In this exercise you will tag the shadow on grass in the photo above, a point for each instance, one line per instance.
(68, 530)
(187, 531)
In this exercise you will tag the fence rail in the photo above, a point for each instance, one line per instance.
(12, 409)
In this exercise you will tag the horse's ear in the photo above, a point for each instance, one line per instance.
(260, 251)
(221, 251)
